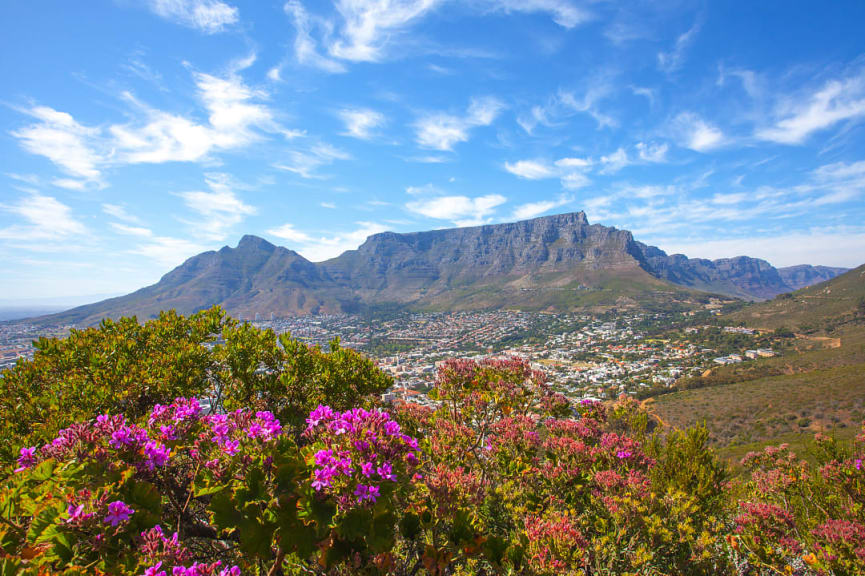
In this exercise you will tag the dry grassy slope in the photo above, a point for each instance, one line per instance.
(818, 385)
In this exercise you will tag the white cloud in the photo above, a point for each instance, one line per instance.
(236, 117)
(168, 252)
(531, 169)
(369, 25)
(65, 142)
(565, 104)
(652, 152)
(305, 48)
(368, 30)
(329, 205)
(442, 131)
(671, 61)
(208, 16)
(361, 122)
(220, 209)
(235, 112)
(695, 133)
(322, 248)
(306, 163)
(564, 13)
(836, 101)
(139, 231)
(461, 210)
(120, 213)
(290, 233)
(422, 190)
(533, 209)
(841, 170)
(45, 219)
(614, 162)
(575, 180)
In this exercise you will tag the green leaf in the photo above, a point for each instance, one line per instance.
(208, 490)
(226, 516)
(409, 526)
(494, 549)
(41, 522)
(355, 524)
(382, 537)
(256, 536)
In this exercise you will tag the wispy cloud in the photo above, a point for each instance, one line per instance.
(531, 169)
(219, 209)
(533, 209)
(564, 13)
(671, 61)
(652, 151)
(836, 101)
(306, 163)
(68, 144)
(139, 231)
(44, 219)
(461, 210)
(167, 251)
(369, 25)
(237, 116)
(318, 248)
(208, 16)
(441, 131)
(572, 171)
(361, 122)
(565, 104)
(370, 30)
(305, 47)
(695, 133)
(121, 213)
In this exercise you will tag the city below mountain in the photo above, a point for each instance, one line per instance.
(556, 262)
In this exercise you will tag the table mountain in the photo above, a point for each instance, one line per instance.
(554, 262)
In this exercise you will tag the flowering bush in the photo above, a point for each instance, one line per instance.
(236, 490)
(798, 513)
(501, 476)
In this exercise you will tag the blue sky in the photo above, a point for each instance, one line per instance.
(137, 133)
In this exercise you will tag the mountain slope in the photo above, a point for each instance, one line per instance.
(819, 307)
(556, 262)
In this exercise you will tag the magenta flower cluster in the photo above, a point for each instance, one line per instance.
(196, 569)
(359, 451)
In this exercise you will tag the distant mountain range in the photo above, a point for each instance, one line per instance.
(556, 262)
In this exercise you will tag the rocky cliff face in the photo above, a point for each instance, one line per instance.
(801, 276)
(553, 262)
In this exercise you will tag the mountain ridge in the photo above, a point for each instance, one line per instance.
(548, 263)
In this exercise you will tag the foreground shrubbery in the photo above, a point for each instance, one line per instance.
(291, 468)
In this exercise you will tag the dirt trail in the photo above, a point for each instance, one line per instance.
(646, 404)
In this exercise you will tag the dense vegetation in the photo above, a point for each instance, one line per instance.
(287, 464)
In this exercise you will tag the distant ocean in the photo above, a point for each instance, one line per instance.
(17, 313)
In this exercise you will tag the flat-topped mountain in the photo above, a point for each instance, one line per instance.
(556, 262)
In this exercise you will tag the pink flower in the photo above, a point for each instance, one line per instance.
(156, 453)
(27, 459)
(622, 454)
(155, 570)
(230, 447)
(118, 512)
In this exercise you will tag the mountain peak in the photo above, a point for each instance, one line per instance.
(252, 242)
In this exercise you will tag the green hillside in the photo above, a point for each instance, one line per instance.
(821, 307)
(817, 384)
